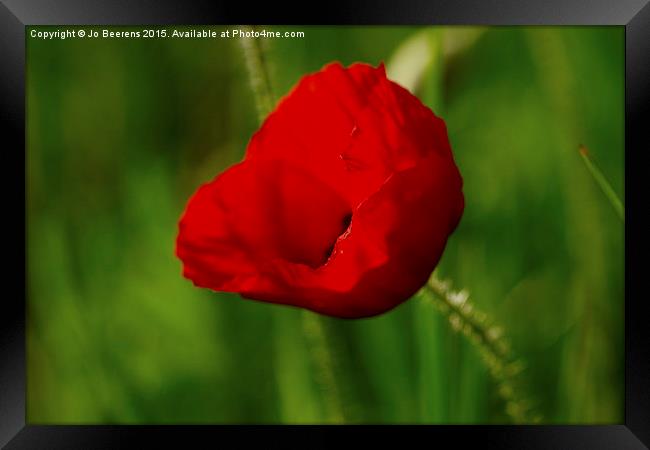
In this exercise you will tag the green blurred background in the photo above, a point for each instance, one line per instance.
(122, 131)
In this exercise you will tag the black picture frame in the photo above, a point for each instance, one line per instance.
(15, 15)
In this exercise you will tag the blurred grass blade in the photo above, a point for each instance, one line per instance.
(412, 62)
(603, 183)
(458, 39)
(299, 401)
(434, 378)
(412, 59)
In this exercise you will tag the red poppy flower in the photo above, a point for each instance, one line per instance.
(342, 205)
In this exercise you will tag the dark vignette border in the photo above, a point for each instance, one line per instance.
(16, 14)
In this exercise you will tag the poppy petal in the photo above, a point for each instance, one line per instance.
(342, 205)
(244, 219)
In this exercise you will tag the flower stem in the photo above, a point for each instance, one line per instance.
(258, 71)
(322, 358)
(259, 74)
(492, 345)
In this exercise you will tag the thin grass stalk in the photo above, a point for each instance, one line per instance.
(603, 184)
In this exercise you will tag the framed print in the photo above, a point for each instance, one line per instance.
(415, 220)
